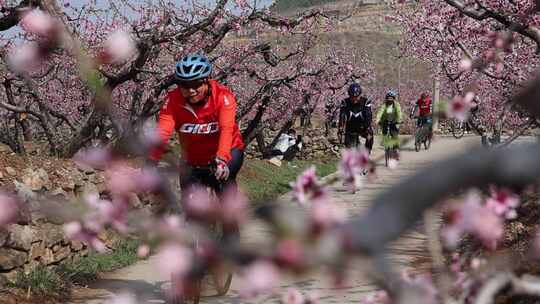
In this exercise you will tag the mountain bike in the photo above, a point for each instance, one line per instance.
(220, 279)
(458, 128)
(354, 140)
(390, 143)
(422, 134)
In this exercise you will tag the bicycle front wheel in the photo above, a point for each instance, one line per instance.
(356, 142)
(427, 143)
(221, 276)
(417, 139)
(458, 128)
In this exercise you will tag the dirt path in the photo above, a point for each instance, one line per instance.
(143, 279)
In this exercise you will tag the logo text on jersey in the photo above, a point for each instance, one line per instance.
(356, 115)
(206, 128)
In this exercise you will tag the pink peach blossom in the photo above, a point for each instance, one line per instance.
(9, 210)
(38, 22)
(307, 187)
(258, 278)
(174, 259)
(120, 47)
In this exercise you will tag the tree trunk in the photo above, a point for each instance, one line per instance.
(16, 142)
(250, 132)
(135, 103)
(259, 136)
(19, 138)
(499, 125)
(248, 138)
(84, 134)
(11, 137)
(49, 130)
(27, 131)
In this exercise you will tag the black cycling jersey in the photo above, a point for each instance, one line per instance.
(356, 116)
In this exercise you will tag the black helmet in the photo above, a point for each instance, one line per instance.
(355, 90)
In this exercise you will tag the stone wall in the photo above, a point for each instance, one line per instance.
(38, 238)
(317, 145)
(23, 247)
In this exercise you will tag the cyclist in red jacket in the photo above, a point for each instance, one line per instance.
(424, 105)
(203, 112)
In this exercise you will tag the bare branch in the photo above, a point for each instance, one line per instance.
(270, 57)
(218, 36)
(492, 287)
(285, 22)
(527, 285)
(12, 14)
(47, 72)
(14, 108)
(145, 50)
(60, 116)
(449, 75)
(184, 34)
(518, 132)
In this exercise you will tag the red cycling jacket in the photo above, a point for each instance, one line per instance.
(205, 131)
(424, 106)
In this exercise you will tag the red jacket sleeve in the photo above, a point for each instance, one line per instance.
(227, 123)
(166, 126)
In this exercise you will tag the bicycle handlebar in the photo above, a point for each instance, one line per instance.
(211, 167)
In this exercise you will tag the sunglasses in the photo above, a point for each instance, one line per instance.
(191, 84)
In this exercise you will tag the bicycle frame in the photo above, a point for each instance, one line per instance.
(205, 175)
(387, 129)
(388, 133)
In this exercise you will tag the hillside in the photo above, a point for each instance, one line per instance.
(282, 6)
(291, 7)
(365, 30)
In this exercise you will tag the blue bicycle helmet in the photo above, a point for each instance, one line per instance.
(391, 93)
(193, 67)
(355, 90)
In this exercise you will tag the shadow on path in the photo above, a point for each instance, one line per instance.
(148, 292)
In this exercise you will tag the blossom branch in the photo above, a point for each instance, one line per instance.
(482, 13)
